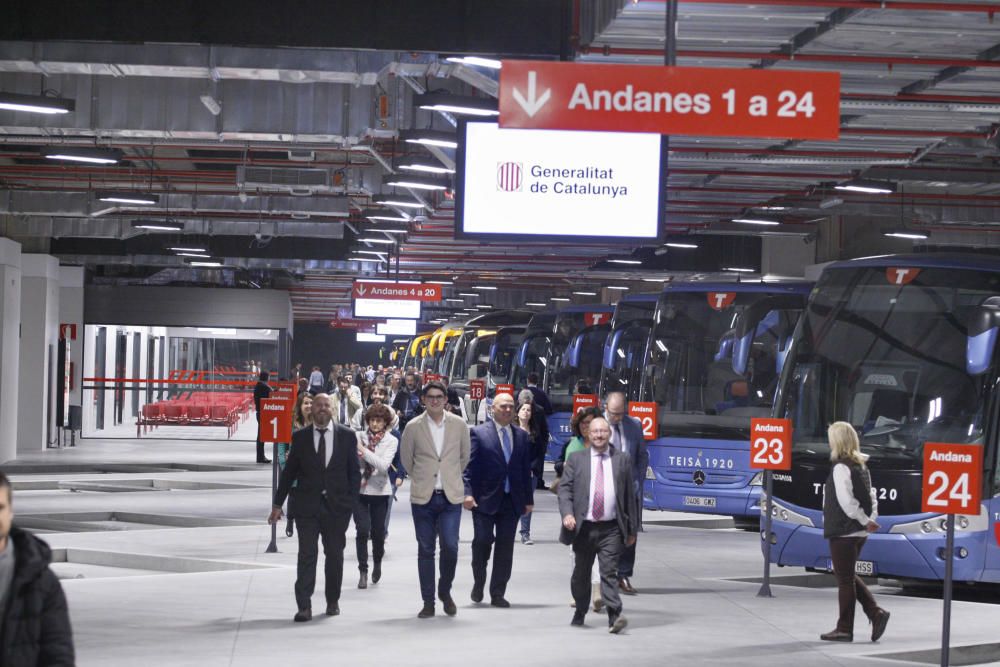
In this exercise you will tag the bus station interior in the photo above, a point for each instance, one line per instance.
(237, 170)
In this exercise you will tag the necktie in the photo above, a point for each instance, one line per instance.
(343, 410)
(505, 442)
(321, 450)
(618, 437)
(599, 489)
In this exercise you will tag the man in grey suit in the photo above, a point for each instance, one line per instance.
(627, 438)
(434, 452)
(599, 518)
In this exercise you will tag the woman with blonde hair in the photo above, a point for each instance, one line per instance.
(850, 508)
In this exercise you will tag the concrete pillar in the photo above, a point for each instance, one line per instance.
(10, 328)
(784, 256)
(71, 312)
(39, 338)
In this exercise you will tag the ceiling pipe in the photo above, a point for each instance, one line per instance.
(896, 5)
(800, 57)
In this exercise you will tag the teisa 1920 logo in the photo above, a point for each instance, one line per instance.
(509, 176)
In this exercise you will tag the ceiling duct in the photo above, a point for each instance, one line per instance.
(283, 179)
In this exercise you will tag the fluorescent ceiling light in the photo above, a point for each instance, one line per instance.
(218, 331)
(455, 300)
(397, 200)
(388, 218)
(559, 298)
(739, 269)
(688, 246)
(457, 104)
(479, 61)
(913, 235)
(654, 280)
(535, 304)
(158, 225)
(867, 185)
(178, 249)
(377, 240)
(423, 164)
(193, 254)
(36, 103)
(213, 105)
(388, 230)
(772, 208)
(85, 154)
(467, 294)
(439, 138)
(586, 293)
(380, 253)
(195, 262)
(485, 287)
(756, 221)
(624, 261)
(617, 287)
(140, 198)
(440, 282)
(416, 182)
(484, 306)
(365, 259)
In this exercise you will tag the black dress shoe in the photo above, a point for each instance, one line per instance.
(878, 624)
(449, 605)
(477, 593)
(303, 615)
(376, 572)
(837, 636)
(333, 609)
(264, 460)
(501, 602)
(577, 618)
(426, 612)
(626, 586)
(363, 579)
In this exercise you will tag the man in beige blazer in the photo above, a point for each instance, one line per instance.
(434, 452)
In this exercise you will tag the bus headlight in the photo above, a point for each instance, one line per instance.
(939, 524)
(782, 513)
(758, 479)
(963, 522)
(925, 527)
(650, 474)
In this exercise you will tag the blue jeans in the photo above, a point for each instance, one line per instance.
(437, 520)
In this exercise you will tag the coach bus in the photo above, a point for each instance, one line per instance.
(904, 349)
(415, 352)
(713, 358)
(625, 348)
(467, 354)
(575, 352)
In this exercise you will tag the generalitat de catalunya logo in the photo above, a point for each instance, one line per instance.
(509, 176)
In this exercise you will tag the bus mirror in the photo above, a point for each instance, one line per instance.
(573, 351)
(982, 336)
(741, 352)
(522, 353)
(609, 348)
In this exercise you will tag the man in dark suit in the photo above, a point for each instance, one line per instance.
(261, 390)
(541, 398)
(599, 518)
(626, 437)
(498, 490)
(323, 460)
(407, 402)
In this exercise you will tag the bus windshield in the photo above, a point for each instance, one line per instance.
(899, 362)
(535, 349)
(626, 349)
(576, 356)
(503, 350)
(706, 379)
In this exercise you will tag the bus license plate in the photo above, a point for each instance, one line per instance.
(865, 568)
(699, 501)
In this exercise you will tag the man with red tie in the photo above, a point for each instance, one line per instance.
(499, 491)
(599, 518)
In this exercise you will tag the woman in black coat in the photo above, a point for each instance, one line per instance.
(850, 508)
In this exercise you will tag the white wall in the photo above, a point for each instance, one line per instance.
(71, 312)
(10, 325)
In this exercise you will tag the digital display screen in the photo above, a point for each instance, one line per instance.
(554, 184)
(387, 308)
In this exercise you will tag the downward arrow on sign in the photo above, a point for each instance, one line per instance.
(532, 104)
(361, 290)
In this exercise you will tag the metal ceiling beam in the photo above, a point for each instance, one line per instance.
(121, 228)
(936, 173)
(804, 38)
(899, 5)
(948, 74)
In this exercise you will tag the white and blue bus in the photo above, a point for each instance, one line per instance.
(625, 347)
(713, 359)
(904, 349)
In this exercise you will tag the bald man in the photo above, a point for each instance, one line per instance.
(498, 491)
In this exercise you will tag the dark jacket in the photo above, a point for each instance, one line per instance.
(574, 494)
(36, 629)
(261, 390)
(638, 450)
(835, 522)
(399, 404)
(487, 469)
(340, 480)
(541, 398)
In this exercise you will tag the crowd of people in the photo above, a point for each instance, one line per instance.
(397, 428)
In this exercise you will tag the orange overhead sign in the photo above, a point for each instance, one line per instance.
(708, 101)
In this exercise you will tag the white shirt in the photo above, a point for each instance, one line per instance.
(328, 441)
(610, 499)
(618, 437)
(848, 503)
(437, 435)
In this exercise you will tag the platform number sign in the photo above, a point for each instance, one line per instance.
(275, 420)
(646, 413)
(953, 478)
(771, 444)
(581, 401)
(477, 390)
(505, 389)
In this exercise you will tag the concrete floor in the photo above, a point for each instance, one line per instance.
(149, 593)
